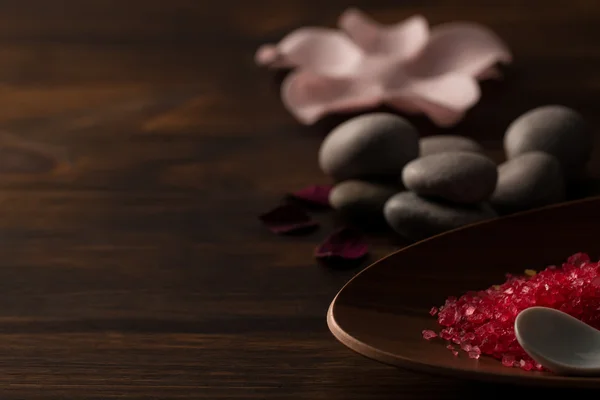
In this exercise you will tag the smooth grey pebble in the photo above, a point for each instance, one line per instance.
(530, 180)
(417, 218)
(448, 143)
(361, 199)
(556, 130)
(461, 177)
(371, 145)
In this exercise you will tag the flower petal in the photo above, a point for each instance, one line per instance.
(310, 96)
(268, 55)
(444, 99)
(461, 48)
(288, 219)
(343, 244)
(490, 73)
(317, 195)
(322, 50)
(400, 41)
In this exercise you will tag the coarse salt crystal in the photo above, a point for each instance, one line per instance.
(429, 334)
(482, 323)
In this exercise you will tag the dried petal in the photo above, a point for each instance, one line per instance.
(400, 41)
(316, 195)
(288, 219)
(310, 96)
(320, 50)
(460, 48)
(345, 243)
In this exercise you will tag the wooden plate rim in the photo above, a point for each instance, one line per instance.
(373, 353)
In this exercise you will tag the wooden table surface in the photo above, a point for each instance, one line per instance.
(138, 144)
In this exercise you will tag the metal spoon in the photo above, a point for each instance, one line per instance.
(559, 342)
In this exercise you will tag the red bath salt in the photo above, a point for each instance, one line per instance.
(316, 195)
(429, 334)
(482, 322)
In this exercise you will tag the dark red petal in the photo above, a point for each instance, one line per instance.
(315, 195)
(345, 243)
(288, 219)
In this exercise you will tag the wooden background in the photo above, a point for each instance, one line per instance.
(139, 142)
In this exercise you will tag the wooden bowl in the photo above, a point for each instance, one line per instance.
(382, 311)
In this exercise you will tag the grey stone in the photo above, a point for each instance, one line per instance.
(417, 218)
(461, 177)
(448, 143)
(361, 199)
(556, 130)
(530, 180)
(371, 145)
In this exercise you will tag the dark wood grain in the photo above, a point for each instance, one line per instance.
(139, 142)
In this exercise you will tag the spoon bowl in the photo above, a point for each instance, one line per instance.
(558, 341)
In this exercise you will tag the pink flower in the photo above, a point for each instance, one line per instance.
(406, 66)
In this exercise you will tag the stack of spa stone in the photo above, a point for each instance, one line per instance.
(421, 187)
